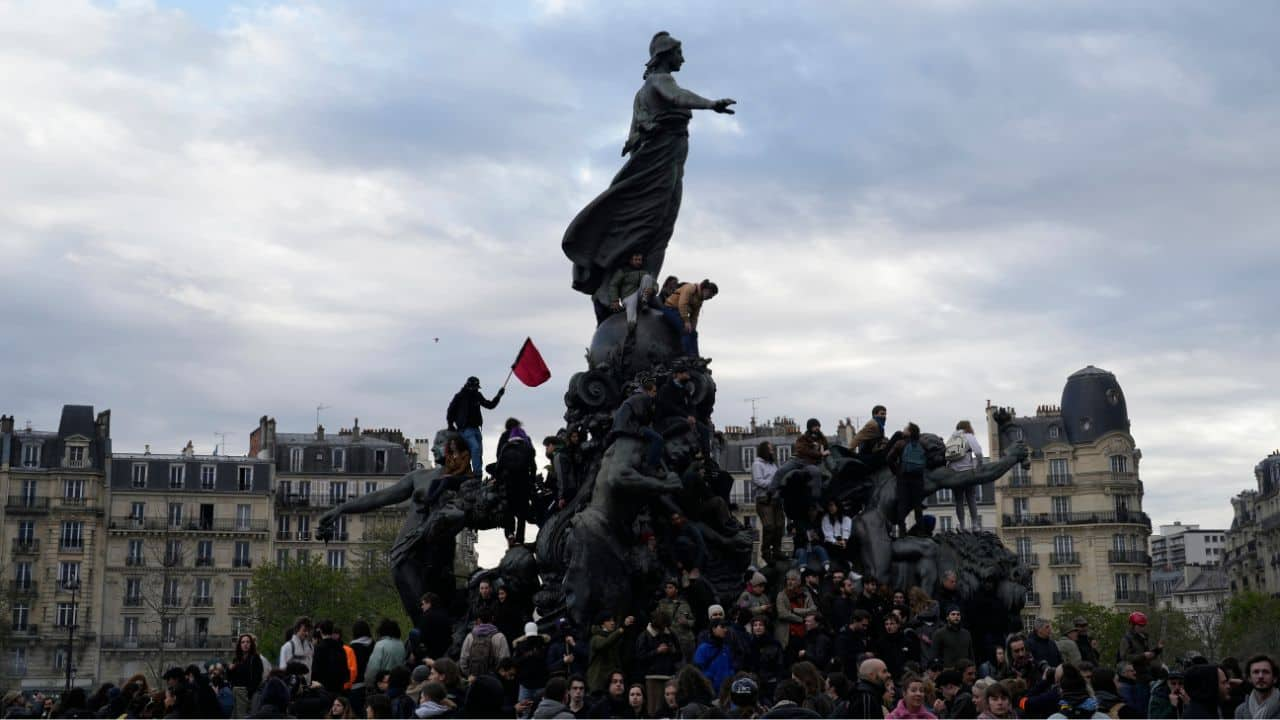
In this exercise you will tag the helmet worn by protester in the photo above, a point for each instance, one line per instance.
(1137, 618)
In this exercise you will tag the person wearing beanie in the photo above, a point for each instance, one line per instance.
(530, 655)
(755, 600)
(952, 642)
(606, 650)
(417, 681)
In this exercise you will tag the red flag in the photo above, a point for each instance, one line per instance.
(529, 365)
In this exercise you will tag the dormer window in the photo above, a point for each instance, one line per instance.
(295, 459)
(77, 456)
(31, 455)
(1053, 432)
(339, 459)
(1015, 434)
(177, 476)
(379, 461)
(139, 475)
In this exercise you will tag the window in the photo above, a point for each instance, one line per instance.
(304, 489)
(1058, 474)
(783, 452)
(29, 493)
(748, 456)
(1119, 464)
(73, 489)
(1053, 432)
(175, 515)
(202, 632)
(137, 511)
(21, 615)
(204, 553)
(169, 630)
(1020, 476)
(304, 556)
(68, 574)
(944, 495)
(1066, 584)
(244, 514)
(244, 478)
(379, 461)
(340, 528)
(139, 475)
(241, 559)
(977, 493)
(66, 615)
(22, 575)
(30, 455)
(304, 527)
(1122, 586)
(60, 658)
(337, 559)
(239, 591)
(1021, 508)
(72, 534)
(944, 523)
(1122, 503)
(337, 493)
(177, 476)
(1015, 434)
(370, 487)
(208, 477)
(132, 592)
(173, 553)
(1061, 508)
(203, 593)
(172, 593)
(1025, 553)
(131, 628)
(295, 459)
(26, 532)
(339, 459)
(77, 456)
(282, 558)
(135, 553)
(1117, 543)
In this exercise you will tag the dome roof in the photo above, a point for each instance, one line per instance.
(1093, 405)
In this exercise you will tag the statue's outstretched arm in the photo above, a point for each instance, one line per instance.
(678, 96)
(944, 477)
(632, 480)
(399, 492)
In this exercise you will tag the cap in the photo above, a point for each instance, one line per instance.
(531, 629)
(744, 688)
(421, 673)
(712, 610)
(757, 578)
(1176, 675)
(1080, 622)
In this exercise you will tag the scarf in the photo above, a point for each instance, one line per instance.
(1265, 709)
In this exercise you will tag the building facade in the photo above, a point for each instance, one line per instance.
(1178, 545)
(1252, 555)
(1075, 516)
(184, 533)
(54, 485)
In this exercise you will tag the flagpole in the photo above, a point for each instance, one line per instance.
(509, 373)
(513, 364)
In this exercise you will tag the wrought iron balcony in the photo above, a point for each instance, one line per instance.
(242, 563)
(1077, 518)
(1033, 598)
(26, 504)
(1061, 598)
(1031, 560)
(1065, 558)
(1060, 480)
(135, 561)
(24, 587)
(1128, 557)
(27, 630)
(1133, 597)
(132, 601)
(204, 562)
(71, 545)
(26, 547)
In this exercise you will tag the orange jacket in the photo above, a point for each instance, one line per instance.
(351, 667)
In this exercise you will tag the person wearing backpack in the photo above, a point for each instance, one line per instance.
(911, 467)
(964, 452)
(483, 648)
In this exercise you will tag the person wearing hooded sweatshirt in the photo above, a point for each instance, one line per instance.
(715, 657)
(483, 647)
(530, 656)
(1076, 702)
(435, 702)
(553, 698)
(273, 700)
(1103, 682)
(1207, 687)
(484, 698)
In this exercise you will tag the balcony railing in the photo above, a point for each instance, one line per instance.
(215, 525)
(132, 601)
(78, 503)
(1033, 598)
(155, 642)
(71, 545)
(1134, 597)
(1061, 598)
(1128, 557)
(27, 630)
(26, 547)
(1060, 480)
(1031, 560)
(283, 534)
(304, 535)
(202, 602)
(77, 463)
(242, 563)
(1019, 481)
(1064, 558)
(204, 562)
(135, 561)
(239, 601)
(173, 562)
(26, 504)
(1077, 518)
(23, 587)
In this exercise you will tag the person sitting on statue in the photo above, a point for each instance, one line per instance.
(669, 286)
(634, 418)
(870, 438)
(683, 308)
(464, 416)
(674, 400)
(629, 286)
(799, 496)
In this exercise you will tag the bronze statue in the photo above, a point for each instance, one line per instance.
(637, 213)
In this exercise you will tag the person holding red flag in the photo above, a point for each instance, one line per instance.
(464, 417)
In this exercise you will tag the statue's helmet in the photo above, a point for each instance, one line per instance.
(661, 42)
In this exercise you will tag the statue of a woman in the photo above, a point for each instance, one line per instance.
(637, 213)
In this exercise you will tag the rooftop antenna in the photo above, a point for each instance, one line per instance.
(754, 401)
(320, 407)
(223, 437)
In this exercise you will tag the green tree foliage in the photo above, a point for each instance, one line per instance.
(1250, 624)
(362, 590)
(1108, 626)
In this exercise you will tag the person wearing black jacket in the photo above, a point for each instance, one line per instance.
(1207, 687)
(517, 464)
(867, 698)
(674, 400)
(765, 656)
(464, 417)
(894, 647)
(329, 660)
(434, 626)
(634, 418)
(852, 641)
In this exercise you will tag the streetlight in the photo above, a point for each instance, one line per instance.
(74, 587)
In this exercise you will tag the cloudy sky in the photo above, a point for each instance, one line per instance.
(210, 212)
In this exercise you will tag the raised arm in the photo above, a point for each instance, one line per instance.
(666, 86)
(399, 492)
(945, 477)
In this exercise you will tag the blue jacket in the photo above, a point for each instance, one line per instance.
(715, 660)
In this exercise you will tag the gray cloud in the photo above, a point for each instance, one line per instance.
(206, 218)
